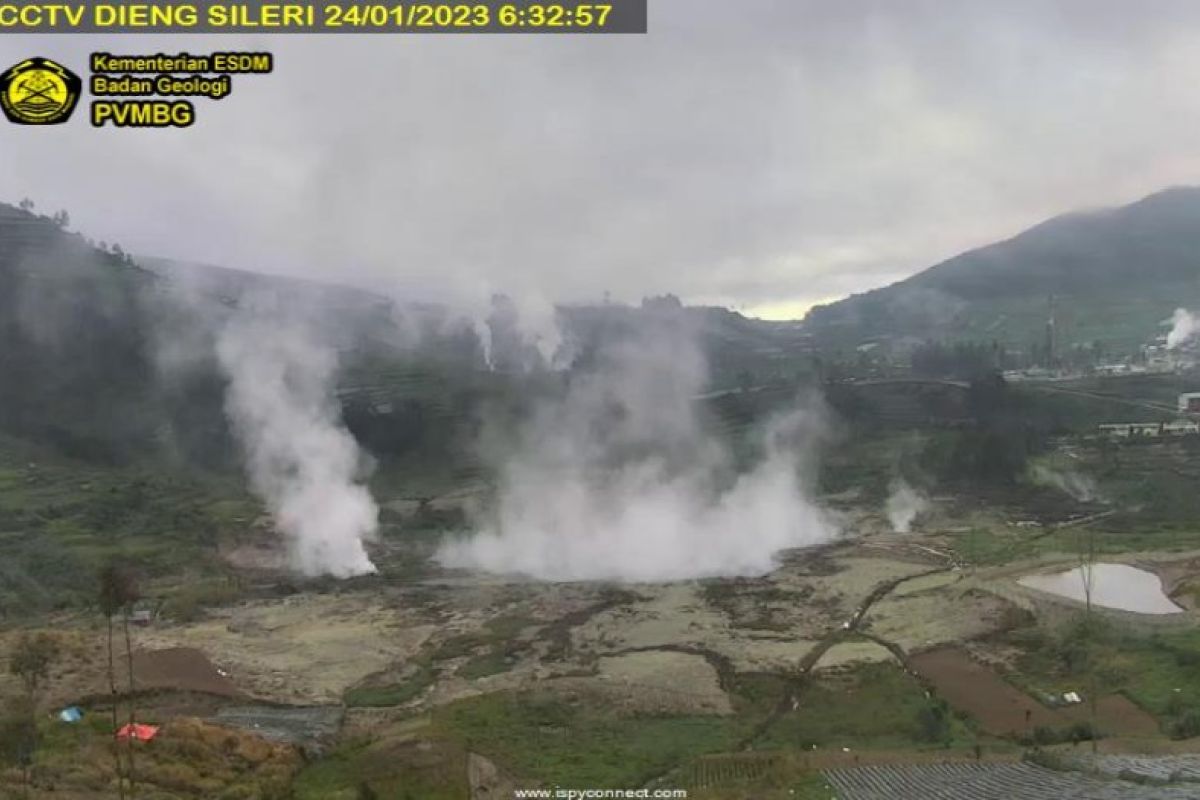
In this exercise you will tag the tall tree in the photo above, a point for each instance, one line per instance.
(114, 589)
(130, 594)
(1085, 538)
(17, 735)
(32, 659)
(31, 662)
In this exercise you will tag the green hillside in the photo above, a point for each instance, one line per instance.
(110, 359)
(74, 352)
(1114, 276)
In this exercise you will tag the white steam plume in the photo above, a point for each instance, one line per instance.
(1080, 487)
(617, 480)
(300, 459)
(904, 505)
(519, 334)
(1184, 327)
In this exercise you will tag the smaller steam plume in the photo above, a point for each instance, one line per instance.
(300, 458)
(1185, 326)
(1078, 486)
(904, 505)
(519, 336)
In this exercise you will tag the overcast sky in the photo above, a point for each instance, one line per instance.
(765, 154)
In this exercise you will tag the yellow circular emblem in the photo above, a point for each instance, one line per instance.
(38, 92)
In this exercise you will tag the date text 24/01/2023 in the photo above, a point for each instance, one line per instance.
(306, 16)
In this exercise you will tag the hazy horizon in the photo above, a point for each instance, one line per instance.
(765, 159)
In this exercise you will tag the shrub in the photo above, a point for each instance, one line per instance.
(1081, 732)
(1043, 735)
(1186, 726)
(933, 724)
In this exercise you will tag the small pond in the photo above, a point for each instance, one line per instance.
(1118, 586)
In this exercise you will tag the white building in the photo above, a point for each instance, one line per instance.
(1126, 430)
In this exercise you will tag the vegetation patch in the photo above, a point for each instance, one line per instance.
(393, 694)
(876, 706)
(752, 776)
(1159, 671)
(397, 769)
(492, 662)
(61, 519)
(540, 737)
(188, 759)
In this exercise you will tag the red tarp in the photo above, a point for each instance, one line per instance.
(143, 733)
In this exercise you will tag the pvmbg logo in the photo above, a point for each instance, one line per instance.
(39, 91)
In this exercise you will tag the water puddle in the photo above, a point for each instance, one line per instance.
(1118, 586)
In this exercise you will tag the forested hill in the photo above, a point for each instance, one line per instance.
(1113, 274)
(85, 329)
(74, 365)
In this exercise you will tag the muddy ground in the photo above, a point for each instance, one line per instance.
(392, 651)
(474, 634)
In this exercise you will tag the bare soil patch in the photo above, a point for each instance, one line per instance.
(969, 686)
(181, 668)
(1003, 709)
(305, 649)
(1116, 714)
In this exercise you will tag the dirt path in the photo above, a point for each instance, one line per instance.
(799, 679)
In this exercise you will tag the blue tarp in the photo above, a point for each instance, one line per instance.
(72, 714)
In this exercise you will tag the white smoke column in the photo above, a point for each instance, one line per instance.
(1184, 327)
(1079, 487)
(618, 481)
(904, 505)
(518, 334)
(300, 459)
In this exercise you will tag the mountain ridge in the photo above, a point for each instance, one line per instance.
(1087, 260)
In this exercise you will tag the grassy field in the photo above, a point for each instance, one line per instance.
(559, 743)
(391, 694)
(998, 543)
(188, 759)
(875, 707)
(548, 739)
(1158, 670)
(61, 520)
(753, 776)
(396, 769)
(539, 738)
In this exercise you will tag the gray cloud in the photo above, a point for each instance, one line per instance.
(755, 153)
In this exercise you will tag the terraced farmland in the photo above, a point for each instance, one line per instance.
(723, 770)
(990, 782)
(1182, 767)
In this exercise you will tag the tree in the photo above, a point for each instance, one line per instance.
(25, 205)
(933, 723)
(32, 659)
(1087, 563)
(61, 218)
(130, 594)
(30, 662)
(118, 590)
(18, 734)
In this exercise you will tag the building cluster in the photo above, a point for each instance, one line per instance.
(1189, 403)
(1133, 430)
